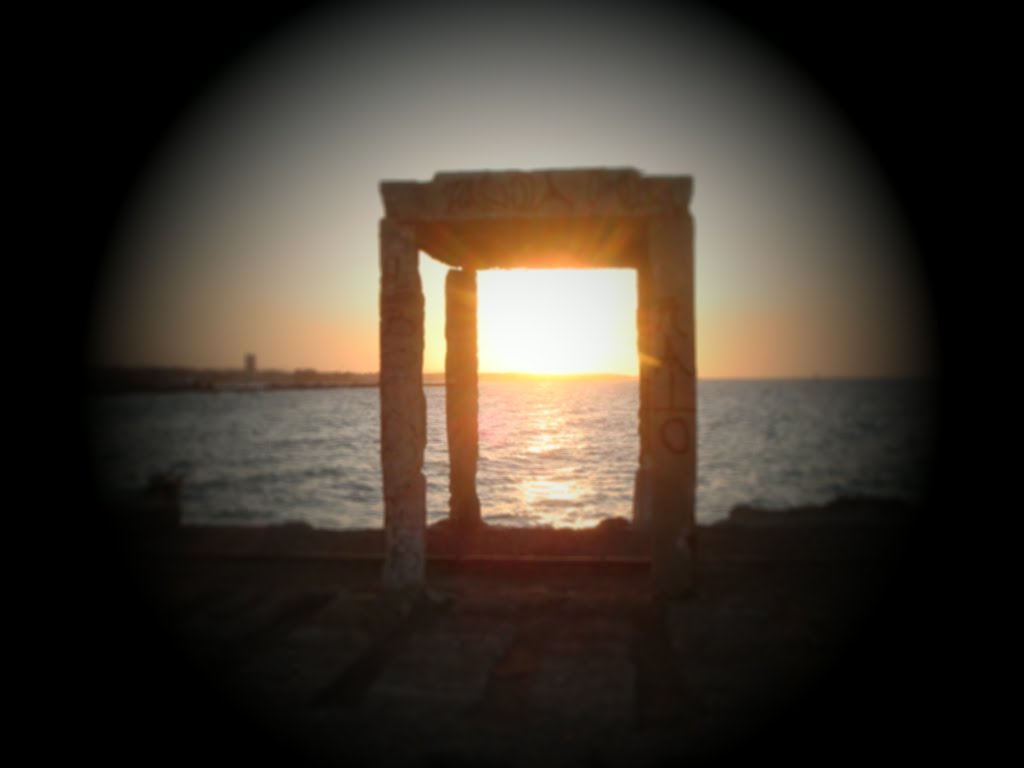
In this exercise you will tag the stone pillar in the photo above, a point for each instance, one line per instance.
(461, 396)
(642, 510)
(403, 411)
(666, 481)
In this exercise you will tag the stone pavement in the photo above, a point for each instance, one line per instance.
(512, 661)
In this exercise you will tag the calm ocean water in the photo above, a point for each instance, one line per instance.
(551, 452)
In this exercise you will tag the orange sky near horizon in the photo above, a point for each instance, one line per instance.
(257, 229)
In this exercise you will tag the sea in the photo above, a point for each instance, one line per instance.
(559, 452)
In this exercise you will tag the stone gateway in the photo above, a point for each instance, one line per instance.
(579, 218)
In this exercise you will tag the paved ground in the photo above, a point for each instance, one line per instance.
(249, 645)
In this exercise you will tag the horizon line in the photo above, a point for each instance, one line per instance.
(518, 374)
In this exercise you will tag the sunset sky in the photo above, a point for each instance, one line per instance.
(257, 229)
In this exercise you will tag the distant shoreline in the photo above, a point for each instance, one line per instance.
(123, 380)
(115, 380)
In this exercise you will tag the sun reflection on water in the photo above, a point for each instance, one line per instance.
(554, 495)
(555, 500)
(538, 445)
(546, 489)
(546, 440)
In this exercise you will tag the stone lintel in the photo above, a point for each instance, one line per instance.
(585, 192)
(565, 219)
(544, 243)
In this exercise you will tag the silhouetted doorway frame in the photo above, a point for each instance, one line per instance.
(577, 218)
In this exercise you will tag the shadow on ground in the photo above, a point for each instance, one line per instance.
(532, 648)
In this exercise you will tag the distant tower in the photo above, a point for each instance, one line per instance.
(250, 364)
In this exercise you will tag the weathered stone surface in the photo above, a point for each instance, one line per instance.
(575, 218)
(548, 218)
(546, 243)
(587, 192)
(402, 406)
(667, 478)
(524, 666)
(461, 396)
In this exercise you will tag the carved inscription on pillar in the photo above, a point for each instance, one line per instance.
(402, 407)
(668, 418)
(675, 434)
(673, 376)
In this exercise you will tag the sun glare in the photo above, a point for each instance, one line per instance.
(545, 321)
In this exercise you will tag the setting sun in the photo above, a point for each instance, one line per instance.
(554, 321)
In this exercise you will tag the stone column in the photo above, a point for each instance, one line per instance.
(646, 351)
(668, 466)
(461, 396)
(403, 411)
